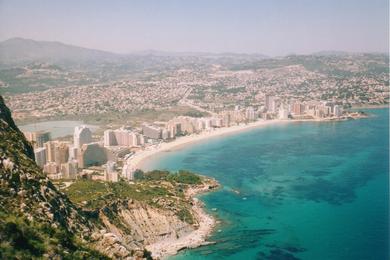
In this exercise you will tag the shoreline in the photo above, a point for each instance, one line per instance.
(138, 160)
(371, 106)
(196, 238)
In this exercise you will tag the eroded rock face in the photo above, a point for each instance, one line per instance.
(9, 125)
(23, 183)
(136, 222)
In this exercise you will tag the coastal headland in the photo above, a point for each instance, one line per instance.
(159, 212)
(196, 238)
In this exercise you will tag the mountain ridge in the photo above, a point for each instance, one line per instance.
(90, 54)
(20, 50)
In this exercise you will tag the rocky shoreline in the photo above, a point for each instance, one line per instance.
(193, 239)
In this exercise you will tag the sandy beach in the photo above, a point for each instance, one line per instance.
(138, 160)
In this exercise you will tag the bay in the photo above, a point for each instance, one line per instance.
(312, 190)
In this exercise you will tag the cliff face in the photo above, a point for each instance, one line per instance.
(37, 220)
(8, 126)
(24, 188)
(139, 222)
(31, 209)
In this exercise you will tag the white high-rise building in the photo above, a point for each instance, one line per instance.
(72, 152)
(37, 138)
(207, 123)
(140, 140)
(270, 103)
(128, 172)
(51, 168)
(69, 169)
(151, 131)
(164, 134)
(226, 117)
(250, 114)
(111, 173)
(110, 166)
(82, 135)
(217, 122)
(174, 128)
(122, 137)
(283, 113)
(40, 156)
(337, 111)
(109, 138)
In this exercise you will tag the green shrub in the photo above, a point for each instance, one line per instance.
(185, 177)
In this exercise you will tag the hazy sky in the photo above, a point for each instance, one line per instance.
(273, 27)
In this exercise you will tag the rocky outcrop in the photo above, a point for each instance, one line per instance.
(136, 222)
(24, 188)
(8, 124)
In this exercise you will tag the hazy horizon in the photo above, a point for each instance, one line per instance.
(274, 28)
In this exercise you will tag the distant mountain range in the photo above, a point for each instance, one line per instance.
(198, 54)
(18, 51)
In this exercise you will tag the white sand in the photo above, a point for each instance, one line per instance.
(137, 161)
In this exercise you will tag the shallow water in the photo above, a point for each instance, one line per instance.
(307, 190)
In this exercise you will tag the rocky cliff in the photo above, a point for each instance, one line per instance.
(154, 212)
(138, 224)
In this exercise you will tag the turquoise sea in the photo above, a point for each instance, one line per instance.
(306, 190)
